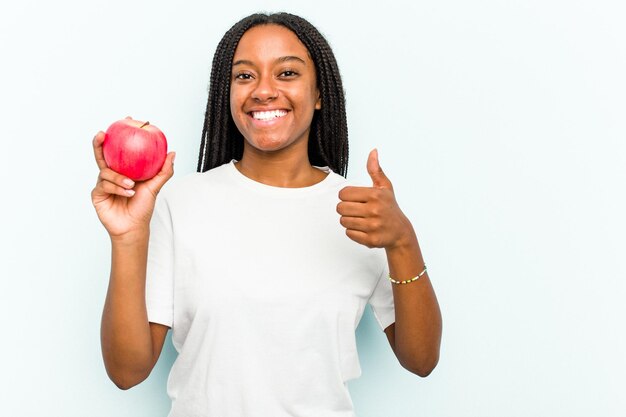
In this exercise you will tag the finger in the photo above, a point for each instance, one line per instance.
(356, 194)
(107, 174)
(356, 223)
(167, 171)
(97, 150)
(352, 209)
(359, 237)
(128, 117)
(379, 179)
(106, 187)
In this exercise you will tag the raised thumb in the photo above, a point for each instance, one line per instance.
(379, 179)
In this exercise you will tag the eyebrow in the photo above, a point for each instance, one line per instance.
(278, 60)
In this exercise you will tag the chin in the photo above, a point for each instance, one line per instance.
(268, 145)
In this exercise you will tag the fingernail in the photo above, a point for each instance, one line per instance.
(130, 193)
(128, 182)
(173, 158)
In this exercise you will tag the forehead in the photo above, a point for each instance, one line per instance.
(270, 42)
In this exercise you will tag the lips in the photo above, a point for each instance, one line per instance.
(267, 115)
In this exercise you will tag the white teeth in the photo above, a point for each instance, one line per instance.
(268, 115)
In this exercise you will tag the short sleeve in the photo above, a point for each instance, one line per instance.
(160, 268)
(381, 301)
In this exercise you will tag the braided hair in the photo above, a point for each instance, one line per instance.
(328, 137)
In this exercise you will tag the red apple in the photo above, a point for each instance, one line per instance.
(135, 149)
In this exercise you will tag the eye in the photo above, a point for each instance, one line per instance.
(243, 76)
(288, 74)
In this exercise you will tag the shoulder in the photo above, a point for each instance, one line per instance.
(191, 184)
(349, 182)
(336, 180)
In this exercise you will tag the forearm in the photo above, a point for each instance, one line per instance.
(418, 318)
(125, 333)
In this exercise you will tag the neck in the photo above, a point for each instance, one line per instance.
(279, 169)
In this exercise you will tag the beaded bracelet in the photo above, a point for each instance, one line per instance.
(408, 280)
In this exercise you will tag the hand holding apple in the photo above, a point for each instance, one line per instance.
(124, 206)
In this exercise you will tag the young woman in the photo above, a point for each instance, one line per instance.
(262, 262)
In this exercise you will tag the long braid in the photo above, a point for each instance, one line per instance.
(328, 141)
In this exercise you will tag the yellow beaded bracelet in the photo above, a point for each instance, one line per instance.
(408, 280)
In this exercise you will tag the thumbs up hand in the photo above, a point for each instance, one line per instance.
(371, 215)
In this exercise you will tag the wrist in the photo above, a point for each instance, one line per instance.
(407, 242)
(131, 238)
(405, 257)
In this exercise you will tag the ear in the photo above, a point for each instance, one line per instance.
(318, 103)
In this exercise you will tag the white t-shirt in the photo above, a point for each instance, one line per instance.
(263, 291)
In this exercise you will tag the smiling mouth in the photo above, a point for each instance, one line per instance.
(267, 115)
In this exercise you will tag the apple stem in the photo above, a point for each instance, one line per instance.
(145, 124)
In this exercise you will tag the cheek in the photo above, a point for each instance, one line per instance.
(314, 96)
(235, 106)
(232, 101)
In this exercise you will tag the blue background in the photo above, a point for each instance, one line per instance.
(500, 124)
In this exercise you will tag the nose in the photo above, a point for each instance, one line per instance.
(265, 89)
